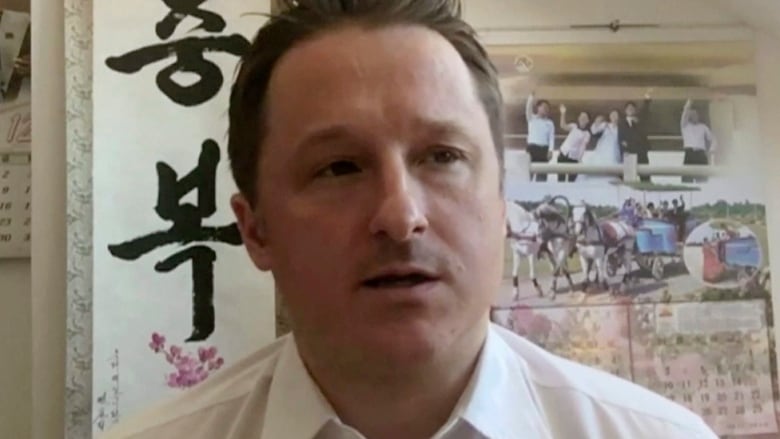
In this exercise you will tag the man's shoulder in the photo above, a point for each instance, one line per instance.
(229, 386)
(566, 388)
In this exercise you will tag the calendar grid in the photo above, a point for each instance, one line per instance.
(15, 199)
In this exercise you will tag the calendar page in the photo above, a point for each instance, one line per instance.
(711, 357)
(14, 205)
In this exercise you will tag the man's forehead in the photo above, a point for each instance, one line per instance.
(356, 72)
(352, 50)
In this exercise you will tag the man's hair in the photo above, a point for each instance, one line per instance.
(302, 20)
(630, 104)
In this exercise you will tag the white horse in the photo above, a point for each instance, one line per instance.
(557, 240)
(599, 242)
(591, 245)
(525, 241)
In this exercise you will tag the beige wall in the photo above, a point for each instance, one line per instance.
(15, 344)
(48, 220)
(15, 325)
(48, 268)
(768, 72)
(560, 13)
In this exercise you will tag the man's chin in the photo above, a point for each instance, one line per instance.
(412, 342)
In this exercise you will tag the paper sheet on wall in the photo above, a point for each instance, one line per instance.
(666, 282)
(176, 298)
(15, 174)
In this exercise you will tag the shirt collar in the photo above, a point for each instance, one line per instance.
(296, 409)
(498, 401)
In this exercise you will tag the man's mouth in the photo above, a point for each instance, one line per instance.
(399, 280)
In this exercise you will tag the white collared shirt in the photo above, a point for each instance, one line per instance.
(576, 142)
(518, 391)
(541, 130)
(697, 136)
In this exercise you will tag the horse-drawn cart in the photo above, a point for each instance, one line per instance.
(659, 241)
(656, 245)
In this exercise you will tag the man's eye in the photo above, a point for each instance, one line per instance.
(445, 156)
(339, 168)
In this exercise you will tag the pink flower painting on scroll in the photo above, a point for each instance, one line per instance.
(190, 368)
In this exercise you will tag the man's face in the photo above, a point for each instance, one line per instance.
(693, 116)
(379, 211)
(583, 120)
(630, 110)
(543, 110)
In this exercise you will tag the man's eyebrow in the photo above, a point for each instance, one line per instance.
(444, 129)
(431, 129)
(327, 135)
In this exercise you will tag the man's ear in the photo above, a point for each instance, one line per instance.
(251, 225)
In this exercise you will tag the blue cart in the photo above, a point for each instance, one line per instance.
(740, 255)
(656, 243)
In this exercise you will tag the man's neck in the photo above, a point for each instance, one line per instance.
(390, 402)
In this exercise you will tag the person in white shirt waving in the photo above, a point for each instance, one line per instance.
(366, 139)
(607, 150)
(698, 141)
(576, 143)
(541, 132)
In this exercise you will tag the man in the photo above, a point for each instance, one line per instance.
(698, 141)
(366, 141)
(632, 132)
(541, 132)
(680, 217)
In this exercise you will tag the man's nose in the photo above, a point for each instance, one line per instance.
(400, 212)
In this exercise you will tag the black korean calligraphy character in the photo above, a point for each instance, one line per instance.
(202, 259)
(189, 53)
(187, 228)
(180, 9)
(187, 218)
